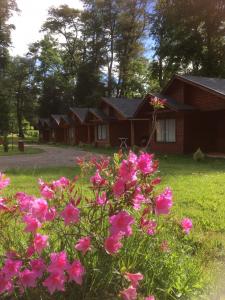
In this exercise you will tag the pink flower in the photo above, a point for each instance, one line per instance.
(4, 181)
(58, 262)
(25, 201)
(146, 164)
(157, 103)
(2, 204)
(97, 180)
(39, 209)
(127, 171)
(101, 200)
(5, 284)
(38, 266)
(132, 158)
(40, 242)
(32, 224)
(47, 192)
(76, 272)
(70, 214)
(134, 278)
(138, 199)
(119, 188)
(51, 214)
(83, 245)
(27, 278)
(61, 183)
(30, 251)
(11, 267)
(112, 244)
(163, 202)
(121, 223)
(187, 225)
(149, 226)
(55, 282)
(150, 298)
(129, 294)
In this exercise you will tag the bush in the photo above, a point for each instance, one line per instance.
(117, 240)
(199, 155)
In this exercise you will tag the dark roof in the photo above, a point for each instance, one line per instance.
(80, 112)
(98, 113)
(67, 120)
(214, 84)
(43, 121)
(172, 103)
(58, 118)
(127, 107)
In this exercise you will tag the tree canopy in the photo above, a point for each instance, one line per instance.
(109, 48)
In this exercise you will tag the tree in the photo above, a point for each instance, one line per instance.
(54, 87)
(6, 9)
(20, 73)
(133, 19)
(189, 37)
(64, 23)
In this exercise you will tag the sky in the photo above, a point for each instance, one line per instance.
(29, 21)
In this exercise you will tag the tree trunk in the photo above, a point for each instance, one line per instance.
(5, 143)
(19, 116)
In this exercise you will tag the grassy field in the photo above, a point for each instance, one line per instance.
(199, 193)
(199, 190)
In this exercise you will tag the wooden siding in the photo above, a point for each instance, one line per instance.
(202, 100)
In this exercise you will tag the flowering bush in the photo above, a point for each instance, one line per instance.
(117, 241)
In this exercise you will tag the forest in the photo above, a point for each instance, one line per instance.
(114, 48)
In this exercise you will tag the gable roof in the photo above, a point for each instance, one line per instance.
(43, 121)
(216, 85)
(80, 112)
(126, 107)
(58, 118)
(98, 113)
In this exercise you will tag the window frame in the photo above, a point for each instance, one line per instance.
(165, 131)
(102, 132)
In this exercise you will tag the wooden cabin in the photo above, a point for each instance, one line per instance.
(194, 116)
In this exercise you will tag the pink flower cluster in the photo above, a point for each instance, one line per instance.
(57, 268)
(4, 181)
(186, 225)
(131, 292)
(157, 103)
(124, 201)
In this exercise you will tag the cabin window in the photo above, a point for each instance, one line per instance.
(166, 131)
(102, 132)
(71, 133)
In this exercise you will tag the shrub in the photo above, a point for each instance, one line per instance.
(116, 241)
(199, 155)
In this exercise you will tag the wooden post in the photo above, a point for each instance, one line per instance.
(132, 142)
(89, 135)
(108, 134)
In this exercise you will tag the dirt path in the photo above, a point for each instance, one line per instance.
(51, 157)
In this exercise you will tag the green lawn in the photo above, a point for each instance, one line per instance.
(198, 187)
(199, 193)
